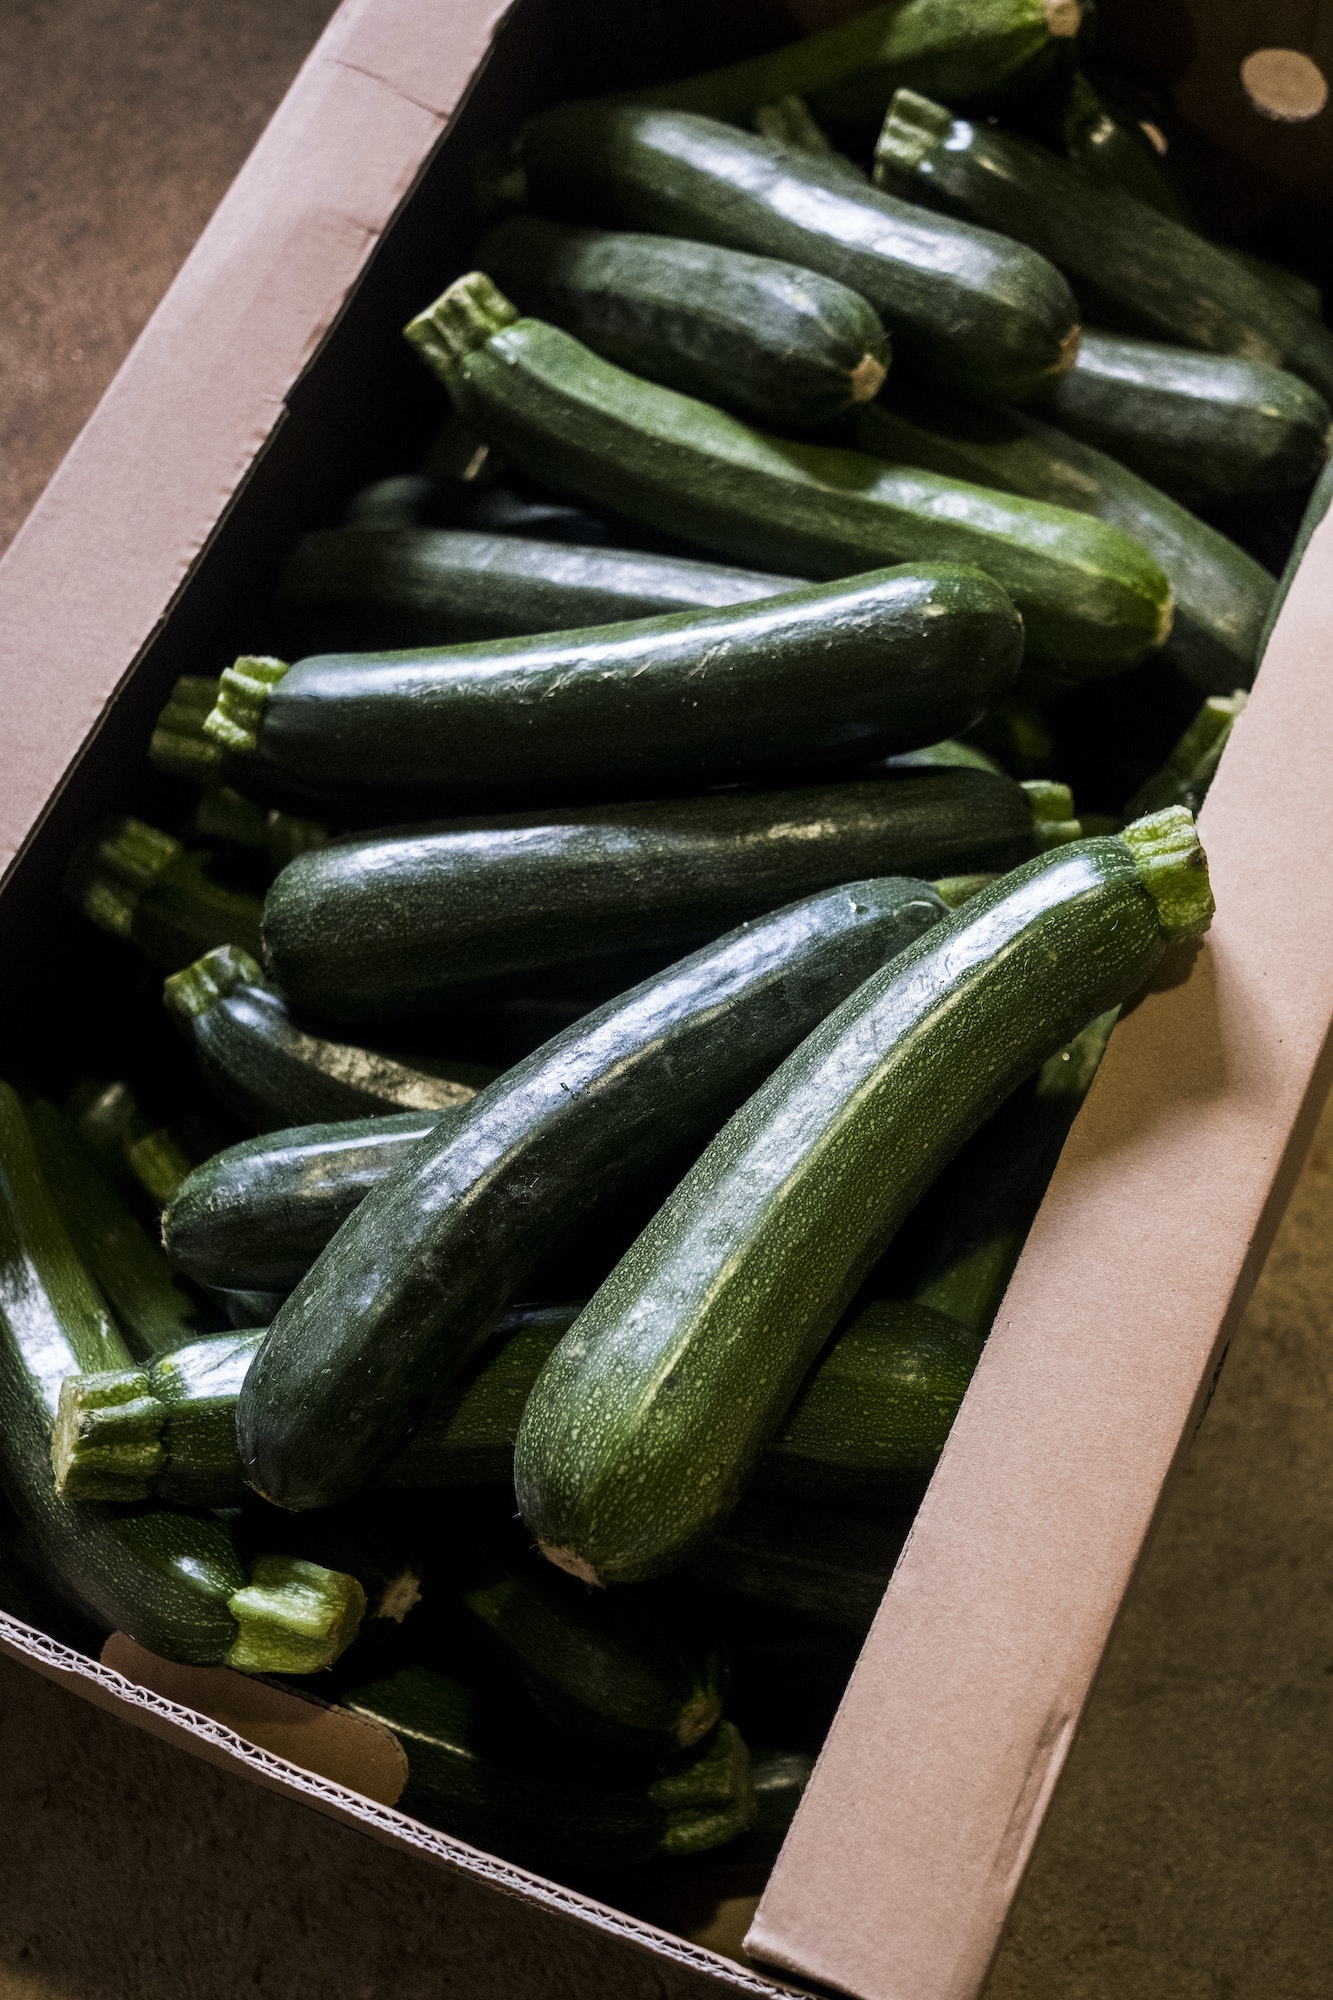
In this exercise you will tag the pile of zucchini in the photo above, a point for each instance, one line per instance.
(637, 946)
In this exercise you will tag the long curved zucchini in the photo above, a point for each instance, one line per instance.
(1204, 426)
(955, 48)
(395, 923)
(400, 1297)
(693, 1348)
(771, 340)
(272, 1072)
(971, 308)
(1221, 593)
(432, 586)
(1088, 594)
(1134, 267)
(173, 1581)
(140, 884)
(837, 672)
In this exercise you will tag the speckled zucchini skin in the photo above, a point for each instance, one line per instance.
(390, 1312)
(967, 306)
(394, 924)
(771, 340)
(649, 1419)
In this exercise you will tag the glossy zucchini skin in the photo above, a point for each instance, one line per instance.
(1134, 268)
(965, 305)
(1204, 427)
(389, 1313)
(1115, 151)
(694, 1347)
(392, 925)
(431, 586)
(272, 1072)
(1087, 593)
(1221, 593)
(837, 672)
(780, 344)
(480, 1769)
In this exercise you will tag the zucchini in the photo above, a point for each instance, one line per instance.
(1221, 594)
(173, 1581)
(963, 304)
(1187, 773)
(223, 814)
(829, 1564)
(271, 1071)
(389, 1313)
(1087, 593)
(648, 1420)
(790, 121)
(1301, 291)
(838, 672)
(1205, 427)
(486, 1771)
(1135, 269)
(138, 883)
(395, 923)
(478, 506)
(955, 48)
(1116, 152)
(763, 337)
(434, 585)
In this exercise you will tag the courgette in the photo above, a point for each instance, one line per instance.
(430, 586)
(1205, 427)
(1221, 594)
(272, 1072)
(1088, 594)
(173, 1581)
(1135, 268)
(837, 672)
(390, 1311)
(828, 1564)
(1115, 151)
(649, 1419)
(223, 814)
(140, 884)
(1189, 770)
(395, 923)
(969, 307)
(763, 337)
(480, 507)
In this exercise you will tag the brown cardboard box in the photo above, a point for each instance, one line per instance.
(242, 410)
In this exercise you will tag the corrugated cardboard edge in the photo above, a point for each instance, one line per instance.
(173, 1722)
(917, 1826)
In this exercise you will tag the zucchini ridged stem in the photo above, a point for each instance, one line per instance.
(178, 745)
(107, 1441)
(294, 1617)
(243, 690)
(210, 979)
(463, 318)
(1174, 870)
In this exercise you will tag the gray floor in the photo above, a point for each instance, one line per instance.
(1188, 1853)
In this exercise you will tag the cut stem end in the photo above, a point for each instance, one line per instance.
(1174, 870)
(293, 1617)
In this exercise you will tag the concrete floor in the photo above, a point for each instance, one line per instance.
(1188, 1854)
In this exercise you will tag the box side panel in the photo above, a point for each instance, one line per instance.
(913, 1837)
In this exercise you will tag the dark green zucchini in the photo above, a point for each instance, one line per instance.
(829, 1564)
(272, 1072)
(173, 1581)
(390, 1312)
(1088, 594)
(768, 339)
(1187, 773)
(434, 585)
(1301, 291)
(1205, 427)
(395, 923)
(480, 507)
(970, 308)
(484, 1769)
(1115, 151)
(649, 1419)
(955, 48)
(140, 884)
(1134, 267)
(1221, 593)
(837, 672)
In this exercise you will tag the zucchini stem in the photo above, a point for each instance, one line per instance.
(107, 1441)
(1174, 870)
(463, 318)
(243, 690)
(210, 979)
(791, 122)
(912, 130)
(1054, 820)
(294, 1617)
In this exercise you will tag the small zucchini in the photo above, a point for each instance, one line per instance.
(829, 1564)
(1221, 594)
(837, 672)
(1088, 594)
(1206, 427)
(649, 1419)
(431, 586)
(174, 1581)
(272, 1072)
(971, 308)
(390, 1312)
(138, 883)
(395, 923)
(1135, 268)
(768, 339)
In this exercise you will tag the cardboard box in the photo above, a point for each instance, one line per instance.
(271, 381)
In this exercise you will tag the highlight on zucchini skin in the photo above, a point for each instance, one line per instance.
(649, 1419)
